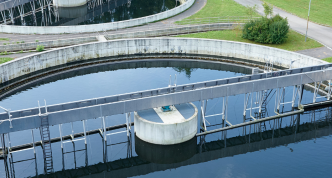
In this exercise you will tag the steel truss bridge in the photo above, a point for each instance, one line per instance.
(254, 87)
(13, 10)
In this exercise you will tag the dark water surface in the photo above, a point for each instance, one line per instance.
(294, 146)
(108, 11)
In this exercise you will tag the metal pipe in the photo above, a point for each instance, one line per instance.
(60, 130)
(33, 142)
(249, 123)
(84, 132)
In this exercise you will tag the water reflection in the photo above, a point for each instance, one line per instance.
(93, 12)
(152, 158)
(188, 65)
(165, 154)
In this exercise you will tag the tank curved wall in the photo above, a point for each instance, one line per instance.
(166, 134)
(69, 3)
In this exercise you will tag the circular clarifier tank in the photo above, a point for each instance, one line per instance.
(167, 125)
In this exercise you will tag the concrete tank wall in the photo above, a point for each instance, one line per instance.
(69, 3)
(166, 134)
(152, 46)
(95, 27)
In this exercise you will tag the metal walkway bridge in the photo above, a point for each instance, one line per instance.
(247, 142)
(259, 84)
(254, 87)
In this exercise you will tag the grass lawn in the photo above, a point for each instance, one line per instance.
(4, 39)
(320, 10)
(295, 41)
(220, 8)
(5, 59)
(329, 59)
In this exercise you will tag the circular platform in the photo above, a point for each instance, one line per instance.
(166, 128)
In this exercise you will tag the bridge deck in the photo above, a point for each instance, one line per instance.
(119, 104)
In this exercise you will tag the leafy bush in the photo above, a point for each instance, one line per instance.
(40, 48)
(267, 30)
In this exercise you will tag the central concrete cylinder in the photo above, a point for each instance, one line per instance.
(73, 12)
(69, 3)
(166, 133)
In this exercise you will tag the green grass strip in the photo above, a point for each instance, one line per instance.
(219, 8)
(329, 59)
(320, 10)
(5, 59)
(294, 42)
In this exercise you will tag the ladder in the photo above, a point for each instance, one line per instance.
(46, 142)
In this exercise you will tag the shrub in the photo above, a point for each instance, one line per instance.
(5, 44)
(267, 30)
(37, 41)
(20, 51)
(17, 42)
(40, 48)
(22, 41)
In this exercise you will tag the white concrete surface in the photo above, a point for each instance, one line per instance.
(101, 38)
(135, 34)
(95, 27)
(166, 133)
(170, 117)
(69, 3)
(155, 46)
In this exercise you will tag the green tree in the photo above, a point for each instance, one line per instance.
(268, 9)
(251, 10)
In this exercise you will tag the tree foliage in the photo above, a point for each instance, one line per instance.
(267, 30)
(268, 9)
(251, 10)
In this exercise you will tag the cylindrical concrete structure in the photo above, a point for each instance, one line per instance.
(167, 128)
(69, 3)
(73, 12)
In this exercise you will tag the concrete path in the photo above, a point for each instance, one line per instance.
(318, 32)
(319, 53)
(199, 4)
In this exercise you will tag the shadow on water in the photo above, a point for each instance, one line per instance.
(152, 158)
(165, 154)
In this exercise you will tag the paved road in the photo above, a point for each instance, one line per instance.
(318, 32)
(199, 4)
(319, 53)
